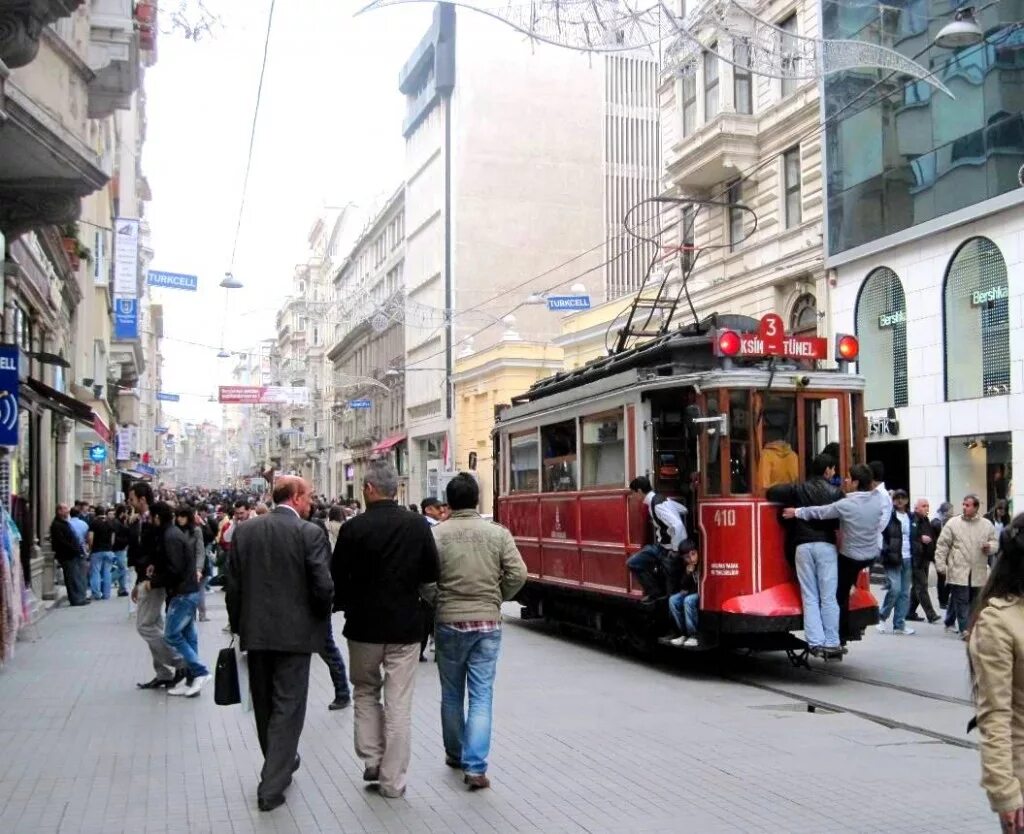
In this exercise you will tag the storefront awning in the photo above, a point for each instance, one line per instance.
(61, 403)
(387, 444)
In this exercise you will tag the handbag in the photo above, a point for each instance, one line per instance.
(225, 682)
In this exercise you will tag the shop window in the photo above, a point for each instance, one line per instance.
(980, 465)
(977, 322)
(882, 330)
(524, 463)
(558, 445)
(604, 449)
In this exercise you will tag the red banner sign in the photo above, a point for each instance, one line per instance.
(791, 347)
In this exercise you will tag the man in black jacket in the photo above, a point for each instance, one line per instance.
(145, 554)
(279, 593)
(380, 560)
(923, 554)
(817, 567)
(182, 587)
(67, 550)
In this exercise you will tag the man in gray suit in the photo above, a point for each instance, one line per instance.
(279, 595)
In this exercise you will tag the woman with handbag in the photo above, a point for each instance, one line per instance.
(898, 542)
(996, 655)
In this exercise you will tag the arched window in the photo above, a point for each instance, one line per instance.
(803, 320)
(882, 330)
(976, 321)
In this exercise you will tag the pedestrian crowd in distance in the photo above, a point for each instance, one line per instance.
(403, 576)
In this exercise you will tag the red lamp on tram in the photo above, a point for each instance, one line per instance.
(727, 343)
(847, 349)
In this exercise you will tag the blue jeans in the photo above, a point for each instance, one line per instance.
(121, 564)
(646, 565)
(466, 657)
(897, 598)
(685, 610)
(331, 655)
(180, 632)
(99, 573)
(817, 571)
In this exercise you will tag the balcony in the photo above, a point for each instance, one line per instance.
(24, 22)
(113, 57)
(717, 152)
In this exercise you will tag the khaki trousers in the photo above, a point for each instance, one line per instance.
(383, 731)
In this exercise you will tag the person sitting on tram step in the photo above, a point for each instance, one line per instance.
(656, 565)
(817, 566)
(858, 514)
(684, 605)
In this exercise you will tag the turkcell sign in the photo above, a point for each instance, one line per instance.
(8, 395)
(161, 429)
(173, 280)
(359, 404)
(168, 398)
(568, 302)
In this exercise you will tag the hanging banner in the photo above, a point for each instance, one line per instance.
(172, 280)
(127, 442)
(126, 319)
(262, 395)
(126, 257)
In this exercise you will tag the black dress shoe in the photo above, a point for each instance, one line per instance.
(339, 703)
(158, 683)
(914, 618)
(296, 763)
(270, 804)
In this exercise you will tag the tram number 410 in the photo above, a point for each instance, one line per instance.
(725, 518)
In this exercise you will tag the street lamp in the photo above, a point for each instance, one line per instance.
(230, 282)
(963, 30)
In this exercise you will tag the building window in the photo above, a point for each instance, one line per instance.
(980, 464)
(882, 331)
(689, 237)
(604, 450)
(791, 186)
(735, 198)
(790, 50)
(710, 84)
(977, 322)
(742, 86)
(689, 104)
(804, 319)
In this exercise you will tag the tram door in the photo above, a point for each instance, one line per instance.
(674, 450)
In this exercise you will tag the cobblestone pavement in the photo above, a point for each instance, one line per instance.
(585, 741)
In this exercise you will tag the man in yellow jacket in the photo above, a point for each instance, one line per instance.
(961, 554)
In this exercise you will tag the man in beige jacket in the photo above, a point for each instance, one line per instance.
(480, 568)
(961, 554)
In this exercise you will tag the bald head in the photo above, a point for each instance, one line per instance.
(294, 492)
(922, 507)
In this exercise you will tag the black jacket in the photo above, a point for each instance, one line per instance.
(279, 587)
(923, 527)
(816, 492)
(122, 536)
(65, 543)
(144, 548)
(179, 558)
(380, 560)
(892, 540)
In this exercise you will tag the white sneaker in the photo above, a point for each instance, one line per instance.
(690, 641)
(881, 628)
(197, 685)
(905, 630)
(678, 641)
(181, 688)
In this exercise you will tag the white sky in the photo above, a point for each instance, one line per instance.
(329, 132)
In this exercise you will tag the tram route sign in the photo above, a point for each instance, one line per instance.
(771, 340)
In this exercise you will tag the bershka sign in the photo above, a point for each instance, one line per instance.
(892, 319)
(979, 297)
(791, 347)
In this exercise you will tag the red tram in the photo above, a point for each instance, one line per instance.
(713, 414)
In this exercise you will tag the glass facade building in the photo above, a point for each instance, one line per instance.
(899, 152)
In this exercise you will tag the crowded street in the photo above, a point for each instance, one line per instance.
(585, 740)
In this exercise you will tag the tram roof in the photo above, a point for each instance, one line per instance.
(683, 355)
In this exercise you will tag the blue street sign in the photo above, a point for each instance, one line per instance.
(168, 398)
(359, 404)
(126, 319)
(173, 280)
(568, 302)
(97, 453)
(8, 395)
(161, 430)
(145, 469)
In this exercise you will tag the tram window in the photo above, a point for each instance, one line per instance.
(558, 442)
(739, 442)
(604, 450)
(713, 468)
(524, 463)
(821, 430)
(779, 462)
